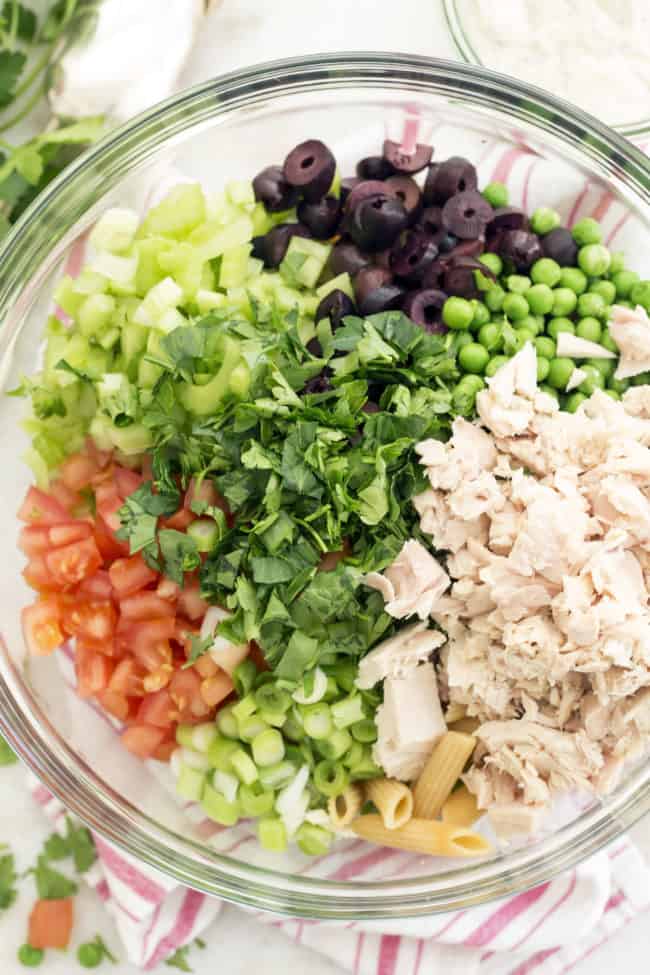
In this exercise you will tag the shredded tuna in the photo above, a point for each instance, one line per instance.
(413, 584)
(630, 329)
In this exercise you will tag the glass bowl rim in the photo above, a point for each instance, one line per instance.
(67, 776)
(460, 36)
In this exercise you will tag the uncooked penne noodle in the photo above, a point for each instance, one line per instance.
(461, 809)
(393, 799)
(423, 836)
(440, 774)
(466, 726)
(455, 712)
(345, 807)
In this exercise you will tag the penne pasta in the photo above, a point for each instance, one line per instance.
(440, 774)
(393, 799)
(345, 807)
(466, 726)
(455, 712)
(423, 836)
(461, 808)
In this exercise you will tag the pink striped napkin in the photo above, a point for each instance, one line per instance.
(546, 930)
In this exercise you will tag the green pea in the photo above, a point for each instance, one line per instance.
(619, 386)
(606, 290)
(544, 219)
(591, 305)
(545, 388)
(90, 955)
(457, 313)
(493, 262)
(624, 281)
(606, 367)
(545, 347)
(515, 307)
(540, 299)
(523, 335)
(590, 329)
(640, 294)
(557, 325)
(559, 372)
(543, 368)
(532, 323)
(463, 338)
(495, 364)
(564, 301)
(494, 297)
(593, 380)
(518, 283)
(608, 342)
(573, 401)
(491, 336)
(473, 358)
(574, 279)
(612, 393)
(30, 957)
(470, 382)
(546, 271)
(587, 231)
(463, 398)
(594, 260)
(496, 194)
(624, 303)
(617, 263)
(481, 314)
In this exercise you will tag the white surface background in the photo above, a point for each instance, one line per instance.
(243, 32)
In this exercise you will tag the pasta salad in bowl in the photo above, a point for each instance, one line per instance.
(338, 509)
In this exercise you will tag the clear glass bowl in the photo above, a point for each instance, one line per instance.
(230, 127)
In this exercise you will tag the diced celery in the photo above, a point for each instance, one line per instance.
(262, 221)
(227, 722)
(170, 320)
(90, 283)
(304, 262)
(110, 338)
(226, 783)
(272, 834)
(203, 735)
(218, 808)
(133, 439)
(202, 400)
(194, 759)
(347, 711)
(234, 266)
(243, 766)
(133, 343)
(166, 294)
(220, 751)
(115, 230)
(185, 264)
(117, 396)
(213, 239)
(54, 352)
(100, 427)
(255, 801)
(190, 783)
(148, 373)
(38, 466)
(244, 708)
(207, 300)
(342, 282)
(240, 192)
(66, 297)
(255, 267)
(95, 313)
(149, 271)
(240, 379)
(275, 776)
(182, 209)
(287, 298)
(313, 840)
(120, 271)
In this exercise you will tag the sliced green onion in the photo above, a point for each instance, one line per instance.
(268, 747)
(294, 753)
(364, 731)
(184, 734)
(332, 692)
(317, 720)
(190, 783)
(348, 711)
(272, 698)
(203, 735)
(313, 840)
(243, 766)
(354, 754)
(274, 718)
(272, 834)
(313, 687)
(292, 729)
(255, 800)
(251, 727)
(244, 708)
(345, 673)
(226, 783)
(366, 768)
(205, 534)
(265, 677)
(276, 776)
(330, 778)
(217, 807)
(194, 759)
(219, 753)
(227, 722)
(335, 745)
(244, 676)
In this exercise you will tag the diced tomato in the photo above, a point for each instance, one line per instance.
(107, 647)
(131, 574)
(34, 539)
(141, 633)
(37, 575)
(257, 656)
(109, 546)
(101, 457)
(116, 704)
(206, 666)
(50, 924)
(41, 624)
(145, 605)
(93, 670)
(42, 508)
(190, 602)
(69, 499)
(72, 563)
(126, 481)
(165, 750)
(143, 740)
(97, 586)
(185, 690)
(205, 491)
(180, 520)
(93, 619)
(78, 471)
(127, 678)
(167, 589)
(157, 709)
(215, 689)
(109, 502)
(154, 657)
(72, 531)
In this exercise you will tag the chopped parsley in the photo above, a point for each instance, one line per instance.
(8, 877)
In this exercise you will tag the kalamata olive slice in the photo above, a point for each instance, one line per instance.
(314, 347)
(347, 185)
(445, 242)
(521, 248)
(467, 248)
(363, 190)
(310, 167)
(560, 246)
(335, 306)
(322, 218)
(507, 218)
(424, 307)
(258, 245)
(271, 188)
(407, 162)
(382, 258)
(277, 240)
(374, 167)
(346, 258)
(459, 278)
(408, 191)
(430, 220)
(411, 255)
(466, 215)
(381, 299)
(433, 277)
(377, 222)
(446, 179)
(369, 279)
